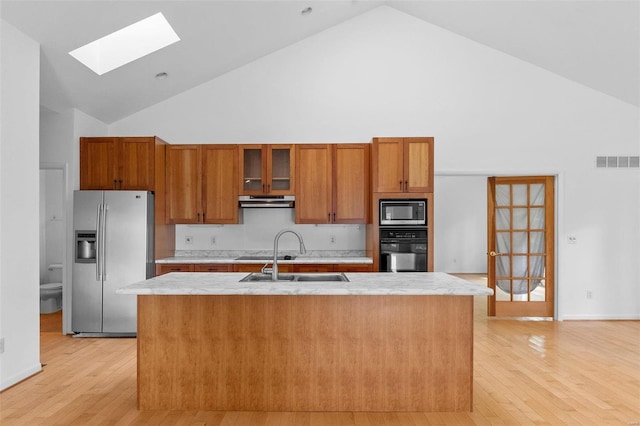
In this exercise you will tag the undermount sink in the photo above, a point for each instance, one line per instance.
(258, 276)
(266, 258)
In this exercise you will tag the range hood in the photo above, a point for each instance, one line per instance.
(266, 201)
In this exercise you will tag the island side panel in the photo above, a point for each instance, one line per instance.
(305, 353)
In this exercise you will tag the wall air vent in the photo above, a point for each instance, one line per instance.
(622, 162)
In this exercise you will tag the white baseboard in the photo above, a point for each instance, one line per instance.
(17, 378)
(613, 317)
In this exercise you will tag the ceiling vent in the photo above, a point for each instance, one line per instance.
(623, 162)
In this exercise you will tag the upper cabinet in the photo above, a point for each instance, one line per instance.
(332, 183)
(266, 169)
(118, 162)
(403, 164)
(202, 184)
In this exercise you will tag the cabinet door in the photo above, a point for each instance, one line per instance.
(220, 183)
(136, 163)
(418, 164)
(184, 203)
(313, 184)
(212, 267)
(280, 169)
(388, 167)
(351, 183)
(98, 161)
(165, 268)
(252, 172)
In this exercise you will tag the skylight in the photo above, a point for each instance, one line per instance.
(126, 45)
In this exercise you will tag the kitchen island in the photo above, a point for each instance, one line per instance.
(380, 342)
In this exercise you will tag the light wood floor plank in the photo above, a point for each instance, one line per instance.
(525, 373)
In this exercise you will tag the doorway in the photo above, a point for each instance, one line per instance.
(520, 246)
(53, 231)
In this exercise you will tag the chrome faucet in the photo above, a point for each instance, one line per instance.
(274, 268)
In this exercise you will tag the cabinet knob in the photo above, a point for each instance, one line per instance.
(406, 185)
(334, 216)
(115, 184)
(400, 185)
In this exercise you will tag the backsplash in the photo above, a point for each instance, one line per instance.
(260, 227)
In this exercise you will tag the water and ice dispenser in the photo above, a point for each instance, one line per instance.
(85, 247)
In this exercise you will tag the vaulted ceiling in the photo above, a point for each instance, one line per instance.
(594, 43)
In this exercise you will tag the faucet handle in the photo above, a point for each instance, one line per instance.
(266, 270)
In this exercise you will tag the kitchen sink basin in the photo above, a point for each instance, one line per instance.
(258, 276)
(265, 258)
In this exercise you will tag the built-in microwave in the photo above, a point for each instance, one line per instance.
(396, 212)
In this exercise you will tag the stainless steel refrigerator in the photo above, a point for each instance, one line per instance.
(113, 247)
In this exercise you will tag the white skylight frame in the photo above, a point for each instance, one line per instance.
(127, 44)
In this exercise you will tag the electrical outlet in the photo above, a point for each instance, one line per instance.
(188, 240)
(213, 240)
(589, 294)
(332, 239)
(571, 239)
(1, 345)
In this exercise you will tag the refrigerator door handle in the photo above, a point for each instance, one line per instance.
(105, 209)
(98, 242)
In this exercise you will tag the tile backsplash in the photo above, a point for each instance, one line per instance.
(260, 227)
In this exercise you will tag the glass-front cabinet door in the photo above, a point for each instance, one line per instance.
(266, 169)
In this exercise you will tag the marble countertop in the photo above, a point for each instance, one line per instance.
(234, 260)
(375, 283)
(231, 256)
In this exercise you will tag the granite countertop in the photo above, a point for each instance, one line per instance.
(231, 256)
(375, 283)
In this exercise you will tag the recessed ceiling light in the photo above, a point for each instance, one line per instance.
(161, 76)
(126, 45)
(306, 11)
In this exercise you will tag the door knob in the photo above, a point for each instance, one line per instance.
(493, 253)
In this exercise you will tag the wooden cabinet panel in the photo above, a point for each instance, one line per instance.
(183, 184)
(266, 169)
(403, 164)
(165, 268)
(212, 267)
(220, 184)
(98, 158)
(313, 176)
(351, 193)
(202, 184)
(135, 166)
(118, 163)
(388, 169)
(418, 164)
(332, 183)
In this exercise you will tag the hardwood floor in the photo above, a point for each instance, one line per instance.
(525, 372)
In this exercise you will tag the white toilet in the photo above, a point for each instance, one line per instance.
(51, 292)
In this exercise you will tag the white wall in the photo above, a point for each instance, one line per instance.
(260, 226)
(385, 73)
(19, 212)
(460, 234)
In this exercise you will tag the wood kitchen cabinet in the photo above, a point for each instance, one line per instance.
(266, 169)
(332, 183)
(165, 268)
(202, 185)
(403, 164)
(110, 163)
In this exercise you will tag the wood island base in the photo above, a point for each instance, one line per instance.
(305, 353)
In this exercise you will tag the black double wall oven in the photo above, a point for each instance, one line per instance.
(403, 235)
